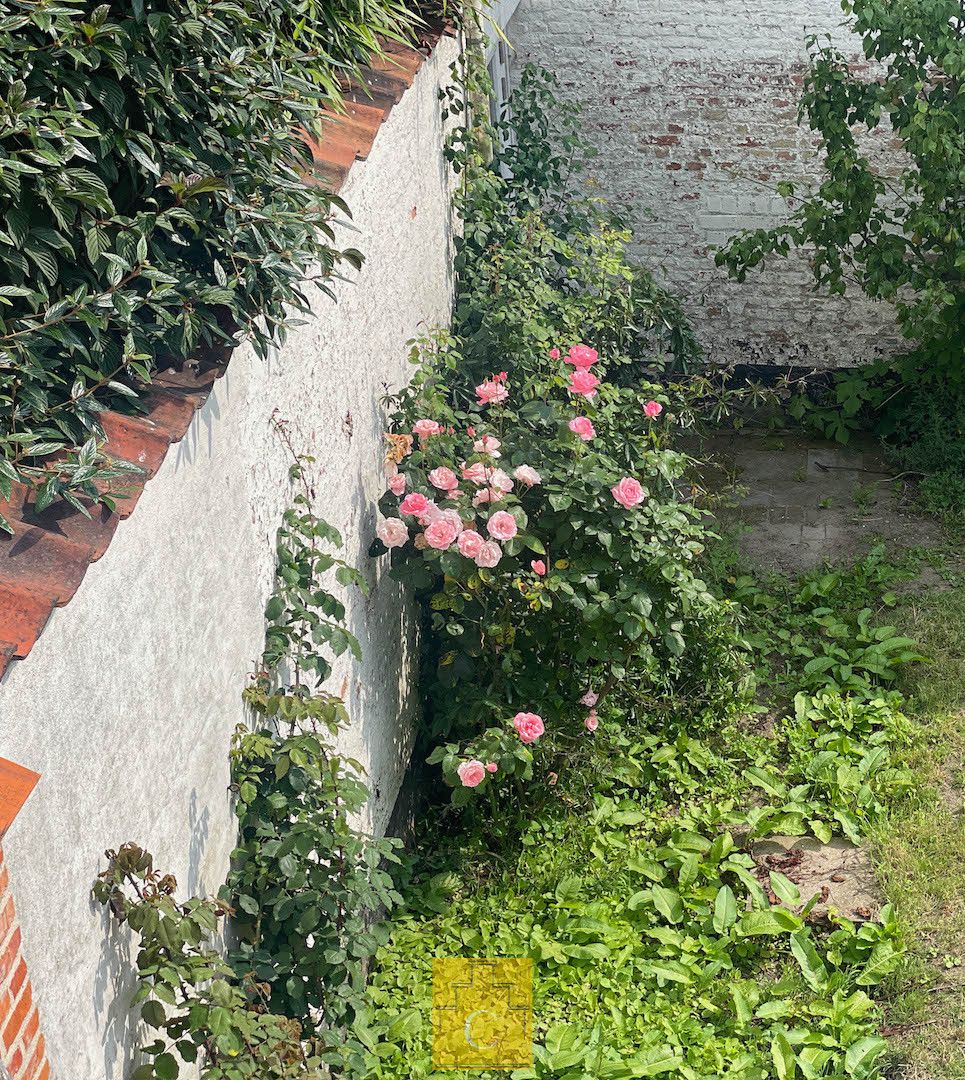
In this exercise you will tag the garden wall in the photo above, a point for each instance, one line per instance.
(127, 701)
(692, 105)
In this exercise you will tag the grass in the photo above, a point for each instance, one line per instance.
(920, 852)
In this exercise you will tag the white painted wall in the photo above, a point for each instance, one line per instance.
(127, 702)
(692, 105)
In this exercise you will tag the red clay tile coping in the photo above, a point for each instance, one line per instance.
(44, 562)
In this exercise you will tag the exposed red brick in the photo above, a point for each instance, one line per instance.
(18, 1016)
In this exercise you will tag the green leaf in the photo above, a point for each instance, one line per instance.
(725, 909)
(667, 902)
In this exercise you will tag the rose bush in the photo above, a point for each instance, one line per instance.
(549, 535)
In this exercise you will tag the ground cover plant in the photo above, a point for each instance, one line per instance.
(604, 829)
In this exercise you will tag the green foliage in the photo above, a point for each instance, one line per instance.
(621, 608)
(842, 767)
(305, 885)
(305, 621)
(151, 192)
(187, 994)
(820, 632)
(537, 262)
(897, 234)
(655, 951)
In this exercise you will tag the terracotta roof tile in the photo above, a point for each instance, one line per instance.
(44, 562)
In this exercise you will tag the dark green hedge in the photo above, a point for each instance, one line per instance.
(150, 190)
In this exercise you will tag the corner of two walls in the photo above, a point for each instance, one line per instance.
(692, 105)
(128, 700)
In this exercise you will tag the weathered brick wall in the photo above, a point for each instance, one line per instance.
(692, 105)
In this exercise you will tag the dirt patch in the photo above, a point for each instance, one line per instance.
(838, 872)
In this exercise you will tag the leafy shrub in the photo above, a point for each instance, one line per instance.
(151, 192)
(897, 237)
(544, 569)
(186, 992)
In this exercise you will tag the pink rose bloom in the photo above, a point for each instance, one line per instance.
(470, 543)
(444, 479)
(652, 409)
(628, 492)
(500, 480)
(488, 444)
(584, 383)
(589, 698)
(582, 426)
(489, 555)
(477, 473)
(554, 354)
(430, 514)
(397, 484)
(392, 532)
(528, 726)
(426, 428)
(527, 475)
(471, 773)
(539, 567)
(491, 392)
(440, 534)
(471, 432)
(488, 495)
(492, 767)
(414, 503)
(581, 356)
(502, 526)
(592, 721)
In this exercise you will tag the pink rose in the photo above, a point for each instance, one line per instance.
(528, 726)
(488, 444)
(527, 475)
(500, 480)
(554, 354)
(584, 383)
(489, 555)
(492, 767)
(582, 426)
(539, 567)
(589, 698)
(628, 492)
(470, 543)
(652, 409)
(488, 495)
(392, 532)
(440, 534)
(471, 773)
(397, 484)
(426, 428)
(430, 514)
(477, 473)
(444, 479)
(581, 356)
(592, 721)
(414, 503)
(491, 392)
(502, 526)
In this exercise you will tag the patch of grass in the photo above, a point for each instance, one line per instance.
(920, 851)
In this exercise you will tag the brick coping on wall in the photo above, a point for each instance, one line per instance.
(44, 561)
